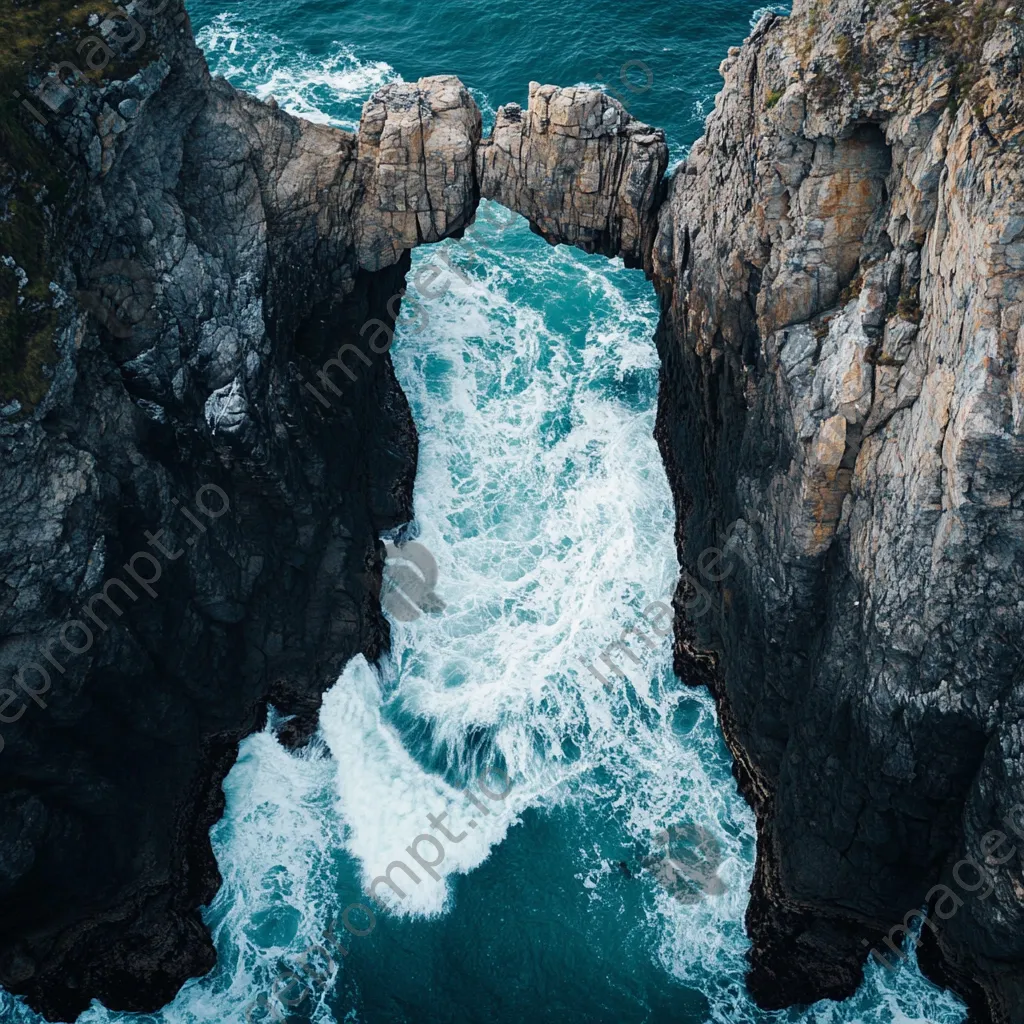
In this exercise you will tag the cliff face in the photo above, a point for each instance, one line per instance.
(841, 261)
(190, 512)
(185, 528)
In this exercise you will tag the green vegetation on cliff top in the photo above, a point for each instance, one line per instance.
(34, 36)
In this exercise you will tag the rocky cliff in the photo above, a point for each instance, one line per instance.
(841, 262)
(185, 527)
(202, 441)
(840, 265)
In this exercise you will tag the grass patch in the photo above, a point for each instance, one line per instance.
(853, 289)
(844, 49)
(811, 31)
(771, 97)
(909, 305)
(848, 55)
(960, 28)
(27, 316)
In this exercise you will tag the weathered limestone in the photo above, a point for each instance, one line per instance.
(579, 168)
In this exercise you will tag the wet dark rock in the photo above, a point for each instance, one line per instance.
(218, 254)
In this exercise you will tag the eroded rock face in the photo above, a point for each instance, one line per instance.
(417, 145)
(841, 259)
(230, 278)
(218, 254)
(580, 168)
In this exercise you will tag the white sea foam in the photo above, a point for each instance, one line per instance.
(384, 798)
(326, 90)
(756, 17)
(548, 549)
(549, 544)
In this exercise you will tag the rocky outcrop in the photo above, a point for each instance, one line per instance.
(417, 147)
(185, 527)
(580, 168)
(190, 514)
(841, 260)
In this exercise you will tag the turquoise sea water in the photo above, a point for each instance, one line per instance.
(540, 493)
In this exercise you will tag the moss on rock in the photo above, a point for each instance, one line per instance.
(35, 35)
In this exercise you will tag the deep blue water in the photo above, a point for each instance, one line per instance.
(540, 493)
(322, 58)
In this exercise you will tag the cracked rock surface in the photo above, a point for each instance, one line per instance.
(580, 168)
(417, 144)
(841, 266)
